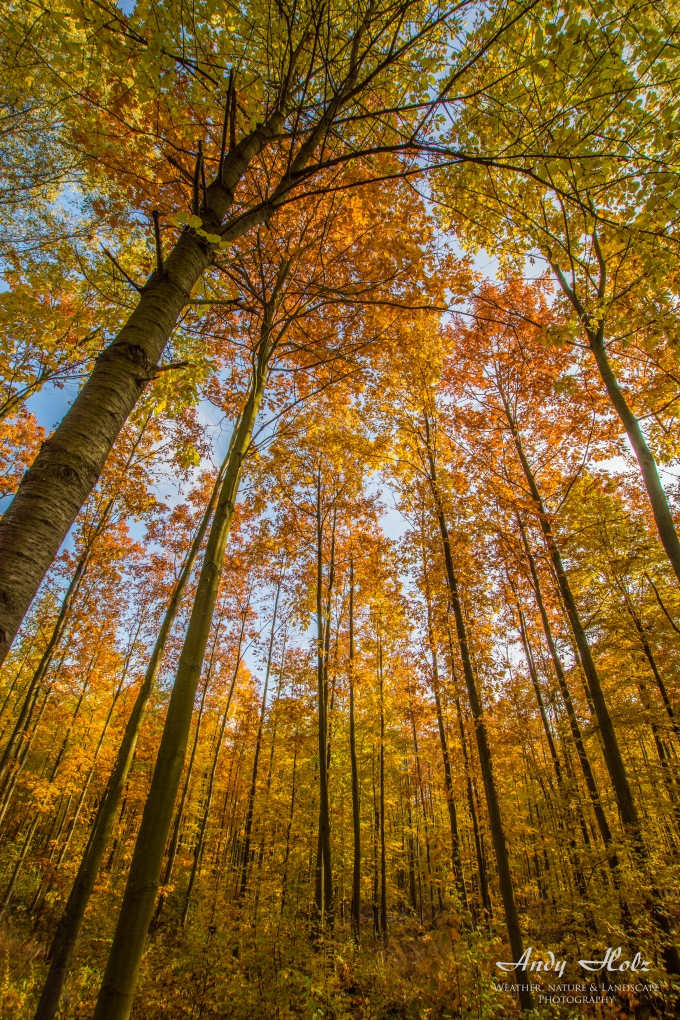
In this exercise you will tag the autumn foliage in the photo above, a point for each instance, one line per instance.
(339, 615)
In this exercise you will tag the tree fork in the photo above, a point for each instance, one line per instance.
(69, 463)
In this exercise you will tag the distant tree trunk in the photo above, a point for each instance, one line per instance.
(383, 856)
(258, 746)
(200, 843)
(356, 808)
(323, 896)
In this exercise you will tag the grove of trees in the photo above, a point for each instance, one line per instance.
(340, 611)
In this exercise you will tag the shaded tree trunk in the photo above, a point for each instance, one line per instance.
(258, 746)
(383, 854)
(356, 807)
(612, 753)
(483, 749)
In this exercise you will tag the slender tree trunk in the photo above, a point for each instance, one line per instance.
(286, 856)
(657, 497)
(594, 331)
(44, 663)
(668, 777)
(612, 753)
(256, 759)
(383, 855)
(88, 779)
(15, 681)
(577, 736)
(419, 789)
(481, 863)
(62, 619)
(324, 876)
(483, 749)
(21, 753)
(376, 828)
(539, 697)
(211, 786)
(356, 807)
(649, 655)
(66, 935)
(411, 846)
(19, 864)
(120, 978)
(456, 859)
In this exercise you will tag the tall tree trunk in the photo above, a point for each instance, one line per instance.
(120, 978)
(323, 896)
(595, 334)
(612, 753)
(356, 807)
(383, 855)
(577, 736)
(456, 859)
(479, 852)
(645, 458)
(258, 746)
(483, 749)
(539, 697)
